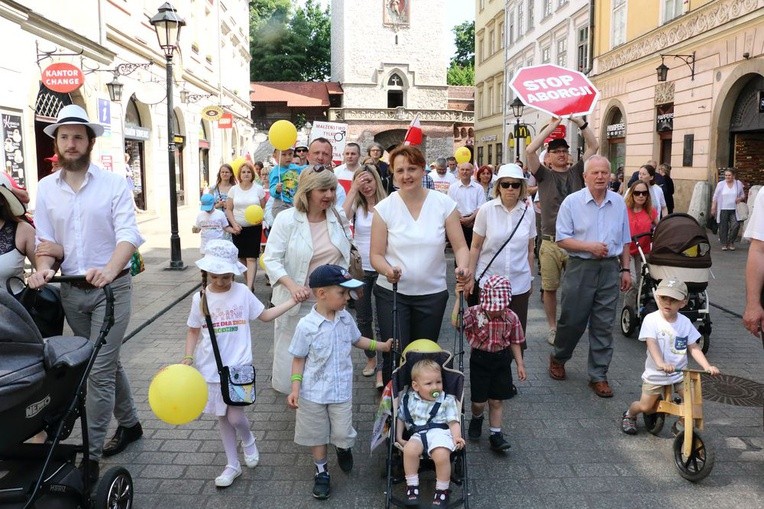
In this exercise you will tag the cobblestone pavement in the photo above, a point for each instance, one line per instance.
(567, 447)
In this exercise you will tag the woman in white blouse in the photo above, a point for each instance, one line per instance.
(366, 190)
(408, 242)
(729, 192)
(495, 222)
(246, 236)
(302, 238)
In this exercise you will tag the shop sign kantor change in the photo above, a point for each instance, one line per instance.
(555, 90)
(63, 77)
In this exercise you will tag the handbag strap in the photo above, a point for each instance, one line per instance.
(505, 243)
(342, 224)
(211, 330)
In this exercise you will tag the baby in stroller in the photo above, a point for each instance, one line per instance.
(430, 416)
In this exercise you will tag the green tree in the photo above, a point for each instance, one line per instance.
(462, 69)
(286, 46)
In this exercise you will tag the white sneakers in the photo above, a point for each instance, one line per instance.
(226, 479)
(251, 458)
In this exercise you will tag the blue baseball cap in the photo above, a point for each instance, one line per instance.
(332, 275)
(207, 202)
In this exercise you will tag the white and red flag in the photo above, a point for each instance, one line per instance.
(414, 134)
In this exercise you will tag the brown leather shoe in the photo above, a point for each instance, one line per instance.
(601, 389)
(556, 369)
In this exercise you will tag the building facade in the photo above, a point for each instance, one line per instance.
(543, 32)
(708, 114)
(490, 141)
(391, 62)
(113, 41)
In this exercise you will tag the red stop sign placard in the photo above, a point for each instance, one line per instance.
(555, 90)
(63, 77)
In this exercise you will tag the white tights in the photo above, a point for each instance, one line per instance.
(234, 421)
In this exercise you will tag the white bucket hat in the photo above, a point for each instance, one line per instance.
(17, 208)
(510, 171)
(72, 115)
(221, 257)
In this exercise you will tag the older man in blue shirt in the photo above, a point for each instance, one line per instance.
(593, 226)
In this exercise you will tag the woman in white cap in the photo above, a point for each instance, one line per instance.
(503, 239)
(16, 235)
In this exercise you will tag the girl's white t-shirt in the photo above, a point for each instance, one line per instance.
(418, 247)
(673, 340)
(362, 235)
(231, 313)
(211, 226)
(243, 199)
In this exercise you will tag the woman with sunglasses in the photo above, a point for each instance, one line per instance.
(647, 175)
(507, 212)
(302, 238)
(408, 244)
(642, 218)
(366, 190)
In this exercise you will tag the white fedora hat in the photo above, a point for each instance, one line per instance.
(72, 115)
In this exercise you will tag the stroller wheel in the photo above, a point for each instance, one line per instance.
(115, 490)
(628, 321)
(705, 342)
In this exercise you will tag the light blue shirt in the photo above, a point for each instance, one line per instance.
(328, 374)
(582, 219)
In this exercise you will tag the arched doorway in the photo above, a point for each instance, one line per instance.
(392, 138)
(746, 132)
(615, 135)
(47, 106)
(136, 134)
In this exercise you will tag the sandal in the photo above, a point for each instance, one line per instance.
(601, 388)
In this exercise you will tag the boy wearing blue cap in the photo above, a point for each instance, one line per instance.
(322, 372)
(211, 222)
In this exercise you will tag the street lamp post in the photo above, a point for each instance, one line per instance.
(517, 110)
(167, 25)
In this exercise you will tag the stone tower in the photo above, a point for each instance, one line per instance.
(391, 59)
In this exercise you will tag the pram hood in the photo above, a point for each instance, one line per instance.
(679, 241)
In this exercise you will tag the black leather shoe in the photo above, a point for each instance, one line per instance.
(121, 439)
(93, 472)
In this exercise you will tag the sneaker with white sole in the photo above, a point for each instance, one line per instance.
(628, 424)
(321, 486)
(226, 479)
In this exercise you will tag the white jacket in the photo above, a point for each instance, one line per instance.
(290, 248)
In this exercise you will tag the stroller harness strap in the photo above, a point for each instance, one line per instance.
(422, 429)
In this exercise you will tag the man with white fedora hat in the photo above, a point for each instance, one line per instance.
(89, 212)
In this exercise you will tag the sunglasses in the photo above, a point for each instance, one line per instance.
(301, 150)
(513, 185)
(559, 151)
(641, 193)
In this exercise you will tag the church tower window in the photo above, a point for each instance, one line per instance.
(394, 91)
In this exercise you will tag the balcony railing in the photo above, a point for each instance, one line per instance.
(400, 115)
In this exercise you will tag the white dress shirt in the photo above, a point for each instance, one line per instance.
(89, 223)
(468, 197)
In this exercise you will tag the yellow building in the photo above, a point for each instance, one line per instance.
(706, 113)
(489, 83)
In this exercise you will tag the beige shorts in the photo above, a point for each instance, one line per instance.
(657, 390)
(553, 260)
(321, 424)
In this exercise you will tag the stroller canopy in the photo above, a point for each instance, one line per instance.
(679, 241)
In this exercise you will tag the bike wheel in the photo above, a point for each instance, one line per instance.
(654, 422)
(700, 461)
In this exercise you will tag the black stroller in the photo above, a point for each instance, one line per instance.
(42, 388)
(680, 249)
(453, 384)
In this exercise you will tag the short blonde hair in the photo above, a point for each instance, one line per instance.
(381, 194)
(424, 365)
(310, 180)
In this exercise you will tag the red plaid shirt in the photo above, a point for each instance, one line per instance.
(492, 335)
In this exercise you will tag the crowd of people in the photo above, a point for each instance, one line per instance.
(400, 216)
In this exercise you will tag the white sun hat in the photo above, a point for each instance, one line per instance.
(510, 171)
(72, 115)
(221, 257)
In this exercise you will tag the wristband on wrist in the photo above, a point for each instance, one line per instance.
(372, 345)
(296, 378)
(584, 126)
(188, 357)
(625, 270)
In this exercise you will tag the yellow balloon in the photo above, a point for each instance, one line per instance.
(178, 394)
(261, 262)
(422, 346)
(282, 134)
(236, 166)
(254, 214)
(463, 155)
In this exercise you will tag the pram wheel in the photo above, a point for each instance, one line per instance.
(628, 321)
(700, 461)
(704, 342)
(654, 422)
(115, 490)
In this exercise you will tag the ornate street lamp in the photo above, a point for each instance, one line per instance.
(115, 90)
(517, 110)
(167, 24)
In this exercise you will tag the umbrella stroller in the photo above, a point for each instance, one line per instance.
(453, 384)
(680, 250)
(42, 388)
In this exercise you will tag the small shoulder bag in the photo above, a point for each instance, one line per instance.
(237, 383)
(355, 267)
